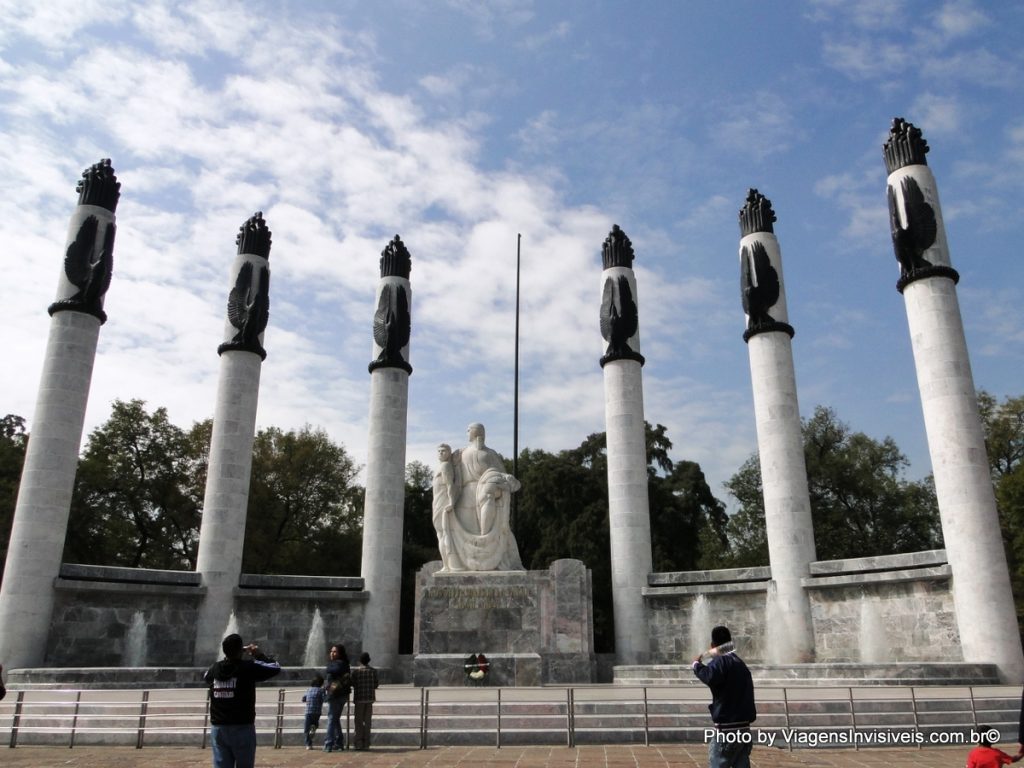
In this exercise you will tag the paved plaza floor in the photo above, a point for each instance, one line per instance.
(661, 756)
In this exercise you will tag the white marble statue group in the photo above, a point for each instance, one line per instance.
(472, 506)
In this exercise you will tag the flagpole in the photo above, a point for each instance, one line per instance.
(515, 399)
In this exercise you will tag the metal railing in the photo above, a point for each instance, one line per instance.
(570, 716)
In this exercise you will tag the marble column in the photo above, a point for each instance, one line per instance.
(787, 504)
(226, 500)
(385, 462)
(51, 458)
(984, 606)
(628, 507)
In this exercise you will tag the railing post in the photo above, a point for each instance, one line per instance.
(785, 709)
(425, 709)
(853, 720)
(142, 720)
(913, 708)
(16, 722)
(206, 722)
(570, 717)
(280, 718)
(974, 710)
(647, 730)
(498, 734)
(74, 720)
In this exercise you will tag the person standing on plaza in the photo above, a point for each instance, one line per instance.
(337, 689)
(732, 701)
(232, 683)
(313, 698)
(985, 755)
(364, 687)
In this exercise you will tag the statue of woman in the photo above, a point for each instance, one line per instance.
(445, 492)
(472, 508)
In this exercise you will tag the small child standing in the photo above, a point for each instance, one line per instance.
(987, 756)
(314, 698)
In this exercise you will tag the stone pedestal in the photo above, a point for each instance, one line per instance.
(535, 627)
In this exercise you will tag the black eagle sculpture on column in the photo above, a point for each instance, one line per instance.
(98, 187)
(392, 326)
(619, 320)
(910, 242)
(759, 284)
(90, 277)
(906, 147)
(249, 311)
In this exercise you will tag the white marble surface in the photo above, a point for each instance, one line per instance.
(788, 523)
(963, 485)
(222, 532)
(44, 498)
(383, 509)
(628, 507)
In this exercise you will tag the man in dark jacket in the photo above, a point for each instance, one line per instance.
(732, 702)
(232, 684)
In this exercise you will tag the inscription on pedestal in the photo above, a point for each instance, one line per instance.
(481, 597)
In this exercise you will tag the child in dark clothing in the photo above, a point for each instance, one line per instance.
(314, 699)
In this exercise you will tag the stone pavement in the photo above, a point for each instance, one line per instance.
(656, 756)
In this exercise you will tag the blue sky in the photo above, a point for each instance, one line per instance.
(459, 124)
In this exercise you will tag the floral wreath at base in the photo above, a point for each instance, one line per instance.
(476, 666)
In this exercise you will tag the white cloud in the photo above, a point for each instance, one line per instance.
(960, 18)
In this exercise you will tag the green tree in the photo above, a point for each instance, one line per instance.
(135, 501)
(305, 509)
(688, 524)
(563, 512)
(860, 502)
(1003, 424)
(419, 543)
(13, 441)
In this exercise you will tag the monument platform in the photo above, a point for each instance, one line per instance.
(534, 627)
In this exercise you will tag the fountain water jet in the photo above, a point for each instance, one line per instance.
(700, 625)
(317, 642)
(135, 642)
(871, 635)
(778, 645)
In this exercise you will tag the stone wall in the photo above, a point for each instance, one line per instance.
(96, 607)
(879, 609)
(873, 609)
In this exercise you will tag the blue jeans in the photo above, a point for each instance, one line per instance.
(733, 753)
(335, 738)
(312, 721)
(233, 746)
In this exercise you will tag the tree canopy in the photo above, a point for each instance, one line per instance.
(305, 512)
(138, 493)
(861, 503)
(1003, 424)
(13, 440)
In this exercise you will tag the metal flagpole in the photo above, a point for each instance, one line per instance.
(515, 398)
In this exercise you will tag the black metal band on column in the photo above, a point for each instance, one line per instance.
(760, 285)
(99, 187)
(249, 309)
(392, 322)
(906, 146)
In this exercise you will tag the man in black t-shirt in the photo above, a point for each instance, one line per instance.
(232, 684)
